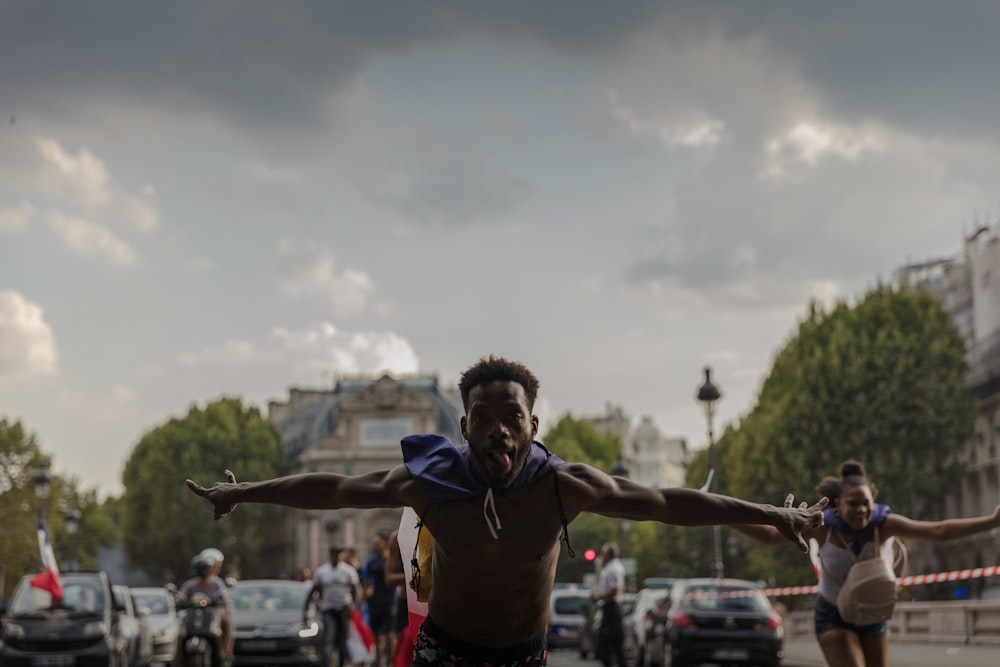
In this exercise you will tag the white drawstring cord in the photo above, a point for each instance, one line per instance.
(491, 504)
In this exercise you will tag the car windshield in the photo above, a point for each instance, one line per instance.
(268, 598)
(156, 603)
(727, 598)
(571, 604)
(80, 595)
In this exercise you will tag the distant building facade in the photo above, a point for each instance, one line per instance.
(969, 288)
(652, 458)
(353, 428)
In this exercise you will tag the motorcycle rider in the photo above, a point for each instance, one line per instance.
(207, 566)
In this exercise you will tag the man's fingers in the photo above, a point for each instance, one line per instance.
(231, 477)
(789, 499)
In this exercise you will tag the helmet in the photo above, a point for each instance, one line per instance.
(212, 554)
(203, 563)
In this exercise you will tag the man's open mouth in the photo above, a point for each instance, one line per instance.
(499, 458)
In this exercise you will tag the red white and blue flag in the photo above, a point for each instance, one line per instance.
(48, 578)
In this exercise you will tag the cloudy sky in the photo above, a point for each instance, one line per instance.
(208, 199)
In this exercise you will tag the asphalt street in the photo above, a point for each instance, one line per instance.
(801, 652)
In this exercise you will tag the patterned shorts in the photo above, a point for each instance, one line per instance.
(435, 647)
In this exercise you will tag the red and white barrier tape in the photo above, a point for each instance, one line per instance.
(910, 580)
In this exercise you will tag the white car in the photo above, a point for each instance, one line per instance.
(158, 603)
(568, 608)
(646, 600)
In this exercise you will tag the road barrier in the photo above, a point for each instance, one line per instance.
(959, 621)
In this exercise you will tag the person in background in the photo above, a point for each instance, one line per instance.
(207, 565)
(380, 598)
(609, 589)
(338, 588)
(856, 527)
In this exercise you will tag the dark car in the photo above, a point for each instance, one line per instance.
(268, 624)
(80, 630)
(589, 644)
(722, 621)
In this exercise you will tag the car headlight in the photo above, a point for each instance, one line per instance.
(94, 629)
(13, 630)
(310, 630)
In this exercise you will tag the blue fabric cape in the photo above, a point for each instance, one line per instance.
(879, 513)
(443, 472)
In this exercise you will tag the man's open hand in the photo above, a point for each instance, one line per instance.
(219, 494)
(796, 520)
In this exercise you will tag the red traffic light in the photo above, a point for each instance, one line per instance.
(589, 554)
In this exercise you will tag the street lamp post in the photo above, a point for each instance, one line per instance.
(625, 527)
(72, 519)
(42, 482)
(708, 394)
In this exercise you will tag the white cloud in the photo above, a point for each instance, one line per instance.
(698, 130)
(83, 175)
(16, 218)
(322, 346)
(311, 271)
(90, 239)
(806, 143)
(27, 342)
(84, 181)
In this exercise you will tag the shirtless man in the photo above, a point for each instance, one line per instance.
(497, 510)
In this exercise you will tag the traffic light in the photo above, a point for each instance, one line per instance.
(590, 554)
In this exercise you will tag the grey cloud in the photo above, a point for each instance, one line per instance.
(256, 63)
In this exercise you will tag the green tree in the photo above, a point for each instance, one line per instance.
(20, 457)
(164, 524)
(577, 441)
(881, 382)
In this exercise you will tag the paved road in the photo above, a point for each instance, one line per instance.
(805, 653)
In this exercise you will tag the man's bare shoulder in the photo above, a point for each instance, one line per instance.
(583, 485)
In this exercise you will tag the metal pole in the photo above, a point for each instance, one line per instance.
(717, 568)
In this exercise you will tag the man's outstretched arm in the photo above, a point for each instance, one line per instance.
(318, 490)
(618, 497)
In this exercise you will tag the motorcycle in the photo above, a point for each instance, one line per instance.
(201, 631)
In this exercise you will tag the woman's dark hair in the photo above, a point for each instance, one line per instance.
(829, 487)
(852, 475)
(490, 369)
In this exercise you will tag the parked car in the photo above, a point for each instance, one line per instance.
(646, 601)
(161, 615)
(268, 624)
(568, 609)
(725, 621)
(134, 628)
(80, 629)
(589, 636)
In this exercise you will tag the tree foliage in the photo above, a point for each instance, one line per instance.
(577, 441)
(881, 382)
(20, 459)
(164, 524)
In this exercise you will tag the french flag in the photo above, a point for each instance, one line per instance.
(48, 579)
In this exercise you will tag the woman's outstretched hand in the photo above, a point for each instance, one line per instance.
(219, 494)
(798, 519)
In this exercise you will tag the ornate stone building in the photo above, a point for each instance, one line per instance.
(353, 428)
(969, 288)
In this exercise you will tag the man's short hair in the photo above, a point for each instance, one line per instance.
(492, 369)
(610, 548)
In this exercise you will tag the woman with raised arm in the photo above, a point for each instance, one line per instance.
(855, 528)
